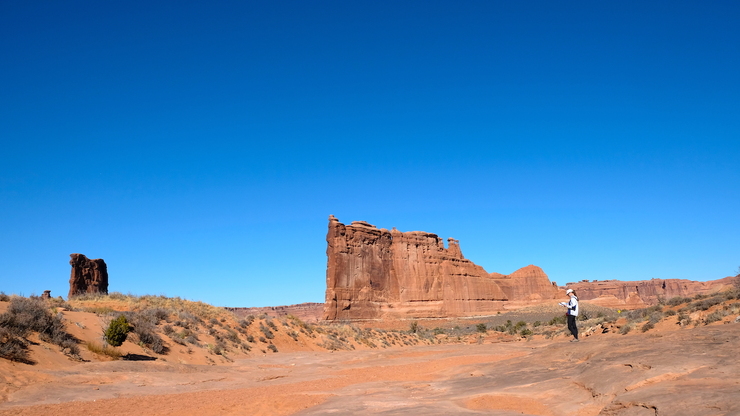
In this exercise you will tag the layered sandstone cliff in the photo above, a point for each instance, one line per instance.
(377, 273)
(643, 293)
(88, 275)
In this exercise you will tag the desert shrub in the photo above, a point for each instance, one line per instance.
(250, 338)
(272, 348)
(144, 326)
(117, 331)
(59, 302)
(655, 317)
(558, 320)
(25, 315)
(272, 325)
(535, 324)
(715, 316)
(233, 336)
(525, 332)
(678, 300)
(13, 348)
(4, 297)
(267, 332)
(481, 328)
(168, 330)
(414, 327)
(705, 304)
(625, 329)
(670, 312)
(648, 326)
(262, 339)
(155, 315)
(216, 349)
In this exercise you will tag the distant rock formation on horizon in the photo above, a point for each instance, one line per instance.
(88, 275)
(376, 273)
(644, 293)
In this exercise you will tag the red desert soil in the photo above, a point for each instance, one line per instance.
(690, 371)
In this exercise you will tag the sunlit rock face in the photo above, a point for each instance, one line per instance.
(376, 273)
(643, 293)
(88, 275)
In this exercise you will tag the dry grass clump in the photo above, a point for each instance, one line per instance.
(106, 350)
(174, 305)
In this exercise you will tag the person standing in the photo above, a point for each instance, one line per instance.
(572, 313)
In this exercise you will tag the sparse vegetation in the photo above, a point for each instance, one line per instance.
(103, 350)
(27, 315)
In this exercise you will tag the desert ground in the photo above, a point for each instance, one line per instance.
(671, 369)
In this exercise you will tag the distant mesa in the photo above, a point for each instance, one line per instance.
(644, 293)
(88, 276)
(375, 273)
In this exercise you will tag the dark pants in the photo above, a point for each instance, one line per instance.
(572, 326)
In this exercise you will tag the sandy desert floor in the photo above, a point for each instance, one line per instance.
(693, 371)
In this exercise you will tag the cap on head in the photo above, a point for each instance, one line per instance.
(569, 291)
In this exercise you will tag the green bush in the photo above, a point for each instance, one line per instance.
(481, 328)
(117, 331)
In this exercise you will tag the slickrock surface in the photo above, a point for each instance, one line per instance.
(88, 275)
(643, 293)
(376, 273)
(690, 371)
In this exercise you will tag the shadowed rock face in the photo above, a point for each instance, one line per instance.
(88, 276)
(376, 273)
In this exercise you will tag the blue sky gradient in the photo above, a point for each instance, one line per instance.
(199, 147)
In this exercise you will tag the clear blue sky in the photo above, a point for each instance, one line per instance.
(199, 147)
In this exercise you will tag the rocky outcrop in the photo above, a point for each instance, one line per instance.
(376, 273)
(643, 293)
(88, 275)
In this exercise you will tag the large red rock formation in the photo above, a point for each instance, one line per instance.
(377, 273)
(643, 293)
(88, 275)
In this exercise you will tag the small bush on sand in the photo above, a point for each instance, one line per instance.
(117, 331)
(481, 328)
